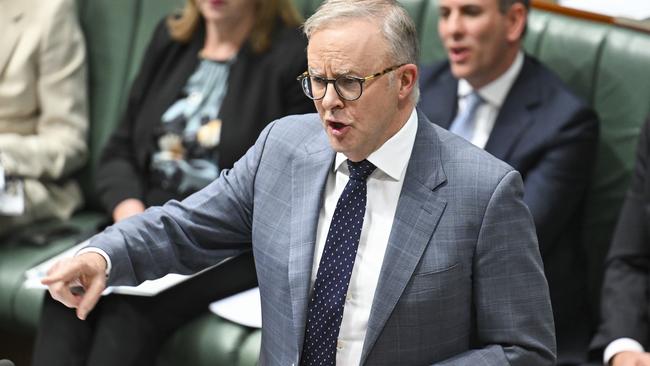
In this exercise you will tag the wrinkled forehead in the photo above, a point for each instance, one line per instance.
(347, 46)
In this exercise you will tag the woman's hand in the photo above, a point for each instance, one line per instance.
(126, 208)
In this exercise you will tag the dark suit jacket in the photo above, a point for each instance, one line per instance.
(550, 136)
(625, 303)
(261, 88)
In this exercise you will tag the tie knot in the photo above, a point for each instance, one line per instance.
(360, 170)
(473, 100)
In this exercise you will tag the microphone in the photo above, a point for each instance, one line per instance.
(5, 362)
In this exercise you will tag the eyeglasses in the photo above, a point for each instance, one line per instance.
(347, 87)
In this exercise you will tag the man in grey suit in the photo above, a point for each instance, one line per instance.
(379, 238)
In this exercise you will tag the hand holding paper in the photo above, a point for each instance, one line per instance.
(87, 270)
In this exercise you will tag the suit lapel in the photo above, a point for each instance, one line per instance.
(417, 215)
(11, 24)
(442, 102)
(448, 100)
(309, 175)
(514, 117)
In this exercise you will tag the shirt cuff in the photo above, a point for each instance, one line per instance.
(621, 345)
(100, 252)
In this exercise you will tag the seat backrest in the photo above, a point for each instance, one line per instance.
(621, 98)
(607, 66)
(578, 67)
(116, 34)
(431, 48)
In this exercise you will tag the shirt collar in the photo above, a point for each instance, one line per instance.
(393, 156)
(496, 91)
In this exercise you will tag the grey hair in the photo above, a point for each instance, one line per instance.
(397, 27)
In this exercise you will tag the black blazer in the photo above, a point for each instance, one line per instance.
(261, 88)
(625, 303)
(550, 136)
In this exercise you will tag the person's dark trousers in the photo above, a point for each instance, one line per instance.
(129, 330)
(117, 332)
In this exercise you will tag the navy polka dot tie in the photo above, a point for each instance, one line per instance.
(325, 310)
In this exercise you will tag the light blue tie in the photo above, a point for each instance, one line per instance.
(463, 124)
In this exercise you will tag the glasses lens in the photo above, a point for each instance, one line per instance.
(318, 86)
(306, 87)
(349, 88)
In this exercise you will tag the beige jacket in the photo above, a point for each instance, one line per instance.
(43, 104)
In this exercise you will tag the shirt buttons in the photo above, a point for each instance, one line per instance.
(339, 345)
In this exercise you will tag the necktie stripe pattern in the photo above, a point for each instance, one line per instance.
(325, 310)
(463, 124)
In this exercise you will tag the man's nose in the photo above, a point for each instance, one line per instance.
(455, 25)
(331, 99)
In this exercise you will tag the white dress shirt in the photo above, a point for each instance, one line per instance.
(384, 188)
(493, 94)
(621, 345)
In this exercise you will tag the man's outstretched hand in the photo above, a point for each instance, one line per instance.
(78, 282)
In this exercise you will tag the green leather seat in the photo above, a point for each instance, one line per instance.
(20, 307)
(584, 40)
(431, 48)
(621, 98)
(209, 340)
(535, 28)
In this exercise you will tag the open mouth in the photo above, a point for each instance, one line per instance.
(458, 54)
(337, 125)
(337, 128)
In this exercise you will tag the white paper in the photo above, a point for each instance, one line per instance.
(244, 308)
(147, 288)
(12, 198)
(633, 9)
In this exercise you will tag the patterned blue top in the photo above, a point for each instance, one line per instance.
(187, 156)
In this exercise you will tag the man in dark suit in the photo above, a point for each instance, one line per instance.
(624, 333)
(528, 118)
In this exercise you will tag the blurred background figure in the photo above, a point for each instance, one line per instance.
(623, 337)
(499, 98)
(211, 79)
(43, 111)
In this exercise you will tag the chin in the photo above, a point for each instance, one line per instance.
(337, 145)
(460, 71)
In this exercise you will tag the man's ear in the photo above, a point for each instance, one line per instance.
(516, 22)
(408, 77)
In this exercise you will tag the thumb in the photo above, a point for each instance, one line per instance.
(93, 291)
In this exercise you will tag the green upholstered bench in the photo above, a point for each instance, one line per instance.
(605, 64)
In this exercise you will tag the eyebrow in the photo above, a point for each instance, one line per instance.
(312, 71)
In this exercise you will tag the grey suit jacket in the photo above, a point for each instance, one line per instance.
(462, 281)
